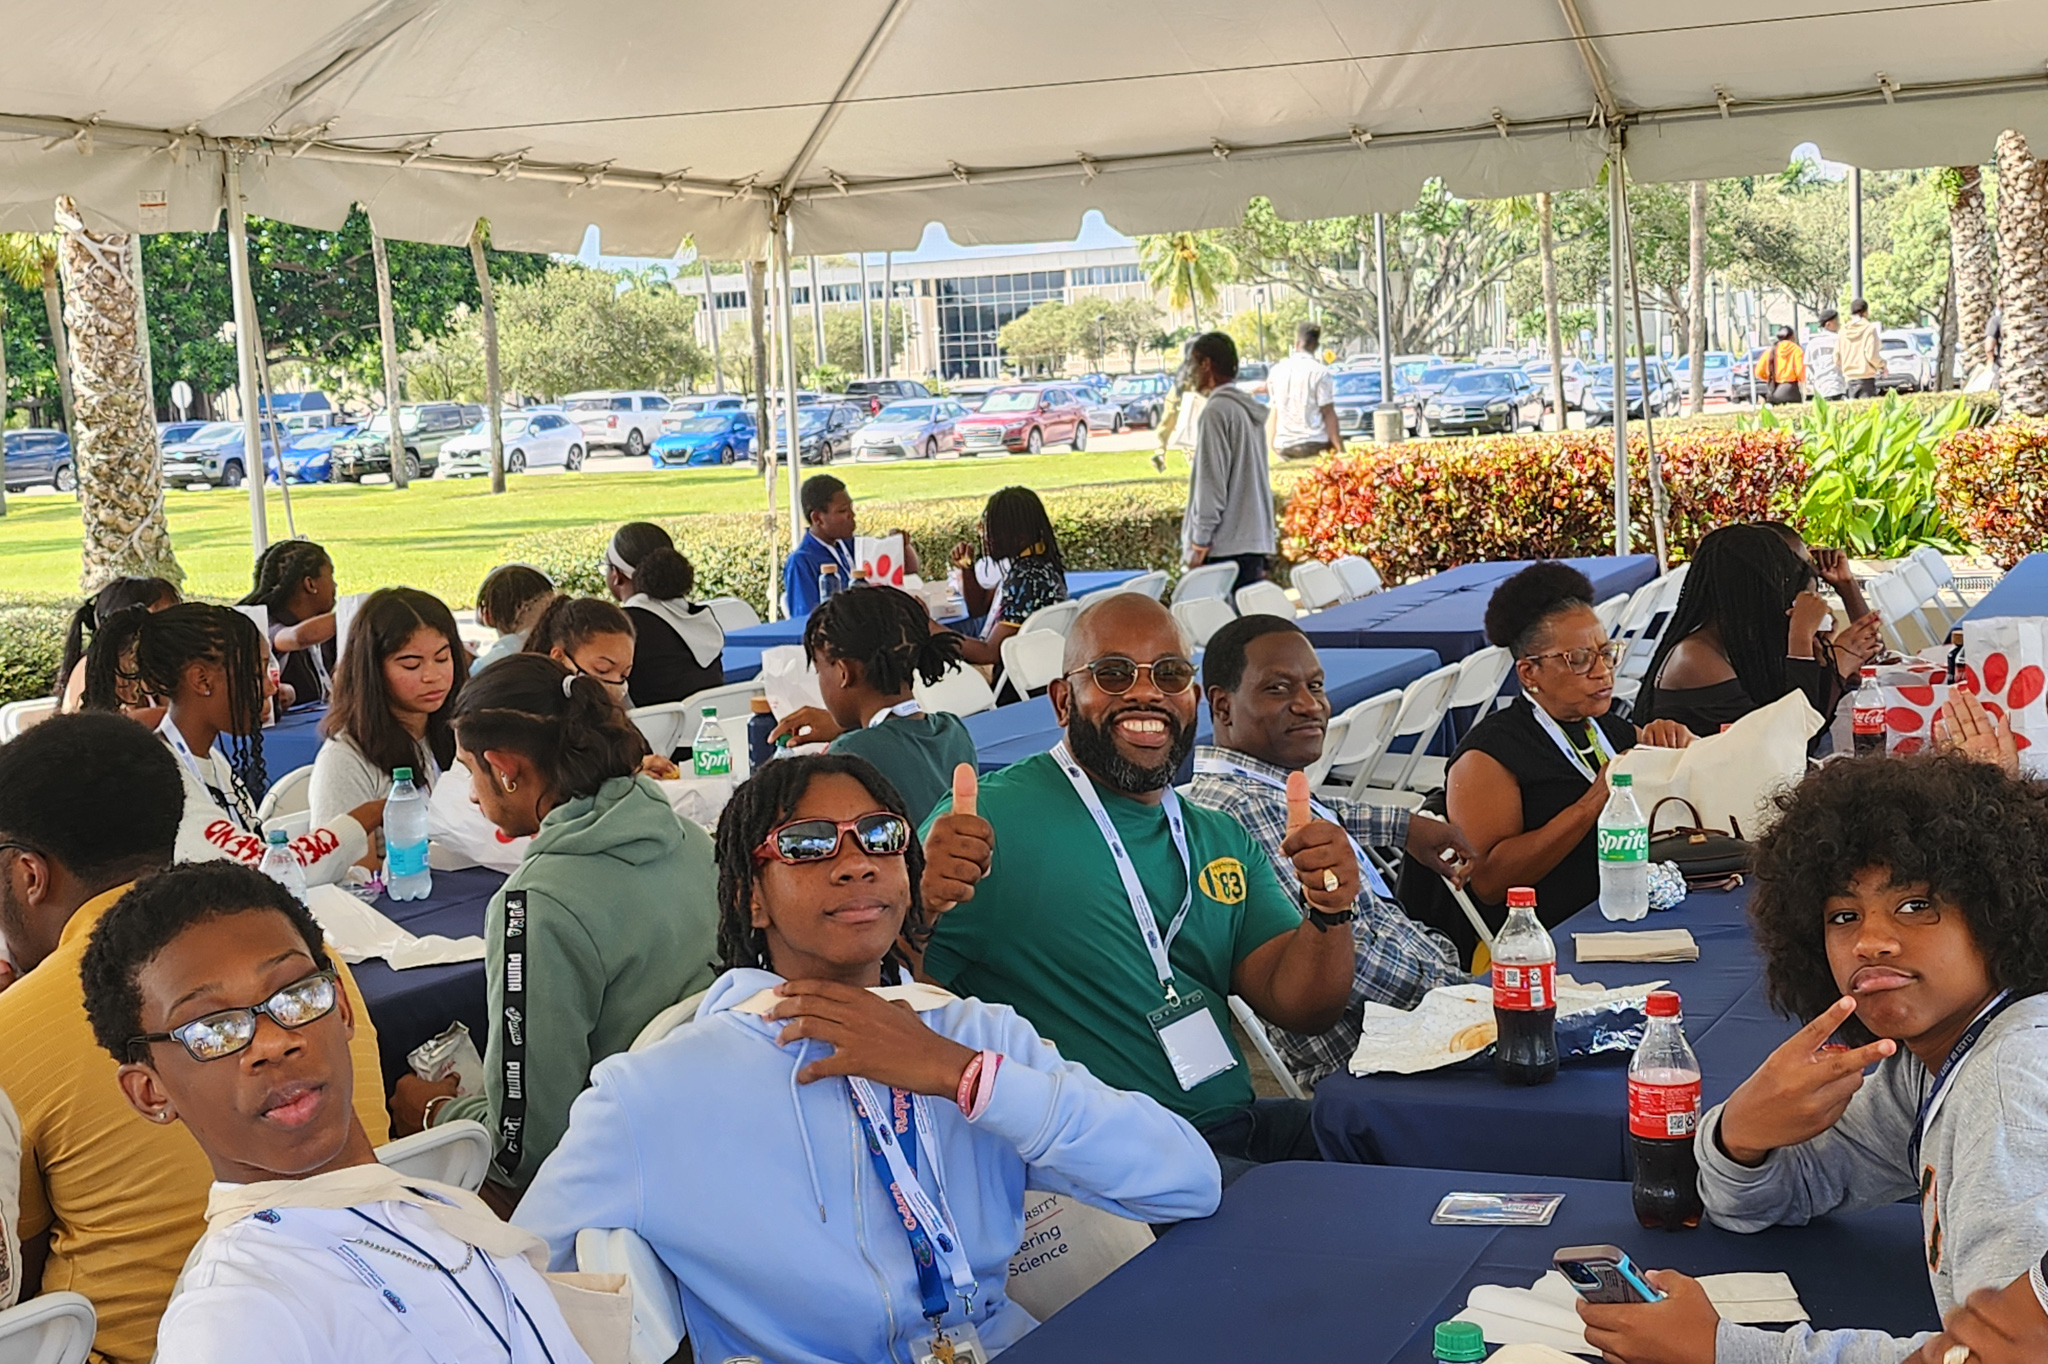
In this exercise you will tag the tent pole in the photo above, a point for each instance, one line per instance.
(756, 280)
(867, 324)
(1617, 229)
(711, 313)
(888, 297)
(245, 356)
(1387, 426)
(788, 340)
(1658, 503)
(387, 348)
(817, 315)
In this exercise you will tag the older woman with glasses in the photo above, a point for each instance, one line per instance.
(1528, 782)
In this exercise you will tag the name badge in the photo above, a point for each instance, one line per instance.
(1193, 1043)
(959, 1344)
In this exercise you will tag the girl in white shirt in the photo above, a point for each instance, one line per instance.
(393, 693)
(509, 600)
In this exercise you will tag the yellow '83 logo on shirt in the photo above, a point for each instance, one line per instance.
(1223, 881)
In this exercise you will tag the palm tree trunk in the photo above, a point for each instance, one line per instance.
(1696, 295)
(113, 437)
(2022, 276)
(60, 346)
(1553, 325)
(494, 392)
(1976, 264)
(1945, 345)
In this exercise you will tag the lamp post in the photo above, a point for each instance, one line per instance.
(1101, 337)
(1259, 302)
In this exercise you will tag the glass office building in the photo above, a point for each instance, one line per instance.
(972, 310)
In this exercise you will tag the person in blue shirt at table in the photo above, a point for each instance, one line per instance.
(820, 1131)
(828, 508)
(1900, 900)
(1266, 696)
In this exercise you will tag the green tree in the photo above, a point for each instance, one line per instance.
(1906, 282)
(1131, 324)
(1042, 338)
(574, 328)
(447, 368)
(1188, 267)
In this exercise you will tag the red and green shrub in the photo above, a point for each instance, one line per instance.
(1993, 481)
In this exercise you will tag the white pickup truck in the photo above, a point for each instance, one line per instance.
(628, 419)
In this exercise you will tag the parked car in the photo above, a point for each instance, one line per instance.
(1662, 392)
(40, 455)
(309, 456)
(824, 432)
(971, 395)
(217, 453)
(1027, 419)
(1358, 394)
(1142, 397)
(1719, 369)
(312, 403)
(425, 428)
(631, 419)
(879, 393)
(171, 433)
(1540, 374)
(1907, 368)
(722, 436)
(1430, 381)
(911, 430)
(1485, 400)
(533, 440)
(681, 408)
(1103, 415)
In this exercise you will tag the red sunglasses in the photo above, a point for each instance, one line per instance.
(880, 834)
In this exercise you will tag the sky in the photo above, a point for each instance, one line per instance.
(1095, 234)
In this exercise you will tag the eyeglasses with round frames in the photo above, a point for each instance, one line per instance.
(217, 1036)
(1117, 674)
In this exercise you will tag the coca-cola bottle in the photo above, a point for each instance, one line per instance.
(1868, 715)
(1524, 995)
(1663, 1112)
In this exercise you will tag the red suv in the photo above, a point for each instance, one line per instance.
(1026, 419)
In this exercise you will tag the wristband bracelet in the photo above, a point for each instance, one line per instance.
(969, 1077)
(978, 1084)
(432, 1107)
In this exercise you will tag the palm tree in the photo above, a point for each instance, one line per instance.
(2022, 276)
(18, 263)
(1696, 294)
(1975, 257)
(1188, 267)
(41, 249)
(1553, 327)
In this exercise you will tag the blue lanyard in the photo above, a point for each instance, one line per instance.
(903, 1134)
(1956, 1056)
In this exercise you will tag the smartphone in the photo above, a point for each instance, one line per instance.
(1604, 1274)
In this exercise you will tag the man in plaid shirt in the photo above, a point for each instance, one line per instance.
(1265, 689)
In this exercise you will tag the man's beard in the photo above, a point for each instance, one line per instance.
(1094, 747)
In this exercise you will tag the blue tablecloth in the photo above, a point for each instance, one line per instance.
(292, 742)
(1576, 1125)
(414, 1005)
(1080, 583)
(1336, 1262)
(1010, 733)
(1447, 612)
(2022, 592)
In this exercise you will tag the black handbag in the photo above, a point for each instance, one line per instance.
(1708, 858)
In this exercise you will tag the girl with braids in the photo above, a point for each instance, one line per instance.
(295, 584)
(678, 647)
(612, 913)
(870, 645)
(106, 676)
(1022, 556)
(762, 1114)
(211, 668)
(1749, 628)
(151, 594)
(509, 600)
(393, 694)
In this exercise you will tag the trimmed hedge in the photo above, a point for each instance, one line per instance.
(1994, 482)
(1983, 409)
(31, 647)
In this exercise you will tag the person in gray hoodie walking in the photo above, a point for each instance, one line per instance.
(1900, 900)
(1230, 496)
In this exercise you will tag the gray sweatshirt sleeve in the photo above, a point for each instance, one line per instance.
(1209, 487)
(1747, 1345)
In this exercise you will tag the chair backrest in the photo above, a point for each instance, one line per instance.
(17, 716)
(1928, 594)
(1333, 743)
(287, 804)
(670, 724)
(962, 691)
(1611, 612)
(1151, 584)
(51, 1328)
(668, 1020)
(1936, 566)
(1481, 676)
(1031, 661)
(1092, 1243)
(1210, 580)
(1906, 629)
(1058, 618)
(658, 1327)
(1359, 577)
(1423, 703)
(1317, 584)
(1255, 1028)
(1264, 598)
(732, 613)
(1203, 617)
(1368, 729)
(457, 1152)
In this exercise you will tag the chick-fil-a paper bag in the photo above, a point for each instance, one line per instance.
(2005, 663)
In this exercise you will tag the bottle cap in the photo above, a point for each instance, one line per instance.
(829, 568)
(275, 836)
(1621, 779)
(710, 712)
(1460, 1341)
(401, 774)
(759, 705)
(1870, 671)
(1521, 897)
(1663, 1004)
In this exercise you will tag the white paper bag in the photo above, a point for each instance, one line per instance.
(345, 609)
(787, 679)
(1730, 776)
(2005, 663)
(881, 556)
(460, 834)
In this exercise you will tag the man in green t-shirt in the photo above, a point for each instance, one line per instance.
(1038, 914)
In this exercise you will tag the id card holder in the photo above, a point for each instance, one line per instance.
(960, 1344)
(1194, 1045)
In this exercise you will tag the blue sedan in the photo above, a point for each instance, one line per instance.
(708, 438)
(309, 457)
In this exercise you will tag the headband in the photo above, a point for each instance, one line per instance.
(615, 559)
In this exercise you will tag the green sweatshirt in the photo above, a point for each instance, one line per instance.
(621, 922)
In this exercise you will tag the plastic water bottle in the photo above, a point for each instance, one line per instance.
(1458, 1342)
(1868, 713)
(281, 864)
(406, 876)
(1624, 838)
(760, 724)
(1524, 995)
(710, 755)
(1663, 1113)
(829, 582)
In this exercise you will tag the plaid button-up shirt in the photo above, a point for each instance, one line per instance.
(1397, 960)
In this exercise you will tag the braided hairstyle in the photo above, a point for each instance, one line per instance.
(571, 622)
(1742, 582)
(111, 681)
(281, 569)
(767, 800)
(1015, 523)
(887, 632)
(169, 641)
(118, 595)
(564, 723)
(659, 569)
(508, 592)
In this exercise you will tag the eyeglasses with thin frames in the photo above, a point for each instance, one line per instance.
(1580, 661)
(219, 1035)
(1117, 674)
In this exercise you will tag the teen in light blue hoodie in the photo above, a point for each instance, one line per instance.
(735, 1146)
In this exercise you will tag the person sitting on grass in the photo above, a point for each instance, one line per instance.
(1898, 900)
(869, 647)
(819, 1131)
(295, 585)
(393, 693)
(509, 600)
(148, 594)
(210, 987)
(1020, 545)
(678, 647)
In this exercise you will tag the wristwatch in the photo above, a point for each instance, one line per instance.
(1325, 922)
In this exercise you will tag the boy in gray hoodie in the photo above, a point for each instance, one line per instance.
(1901, 900)
(1230, 496)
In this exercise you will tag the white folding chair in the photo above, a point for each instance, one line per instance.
(1203, 617)
(1480, 677)
(1359, 577)
(668, 1020)
(1932, 608)
(1210, 580)
(17, 716)
(457, 1152)
(1058, 618)
(1423, 703)
(1031, 661)
(1255, 1028)
(1152, 584)
(1944, 578)
(670, 724)
(1611, 611)
(1264, 598)
(1317, 584)
(658, 1326)
(1368, 728)
(51, 1328)
(1333, 743)
(287, 804)
(732, 613)
(1905, 628)
(963, 691)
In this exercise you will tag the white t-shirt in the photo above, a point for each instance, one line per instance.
(1299, 388)
(323, 1286)
(10, 1204)
(344, 779)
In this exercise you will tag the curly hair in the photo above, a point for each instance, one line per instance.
(1523, 604)
(1977, 838)
(767, 800)
(119, 595)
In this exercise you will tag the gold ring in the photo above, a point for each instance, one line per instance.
(1956, 1354)
(1330, 883)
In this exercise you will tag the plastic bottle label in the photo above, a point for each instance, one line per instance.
(1525, 988)
(712, 762)
(1627, 844)
(1869, 720)
(1663, 1112)
(410, 861)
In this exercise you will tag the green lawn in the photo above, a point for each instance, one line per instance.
(444, 536)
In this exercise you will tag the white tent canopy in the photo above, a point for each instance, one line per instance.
(870, 118)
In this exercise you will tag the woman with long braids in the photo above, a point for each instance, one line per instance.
(106, 676)
(815, 1100)
(393, 694)
(678, 646)
(211, 667)
(1019, 545)
(610, 918)
(295, 584)
(150, 594)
